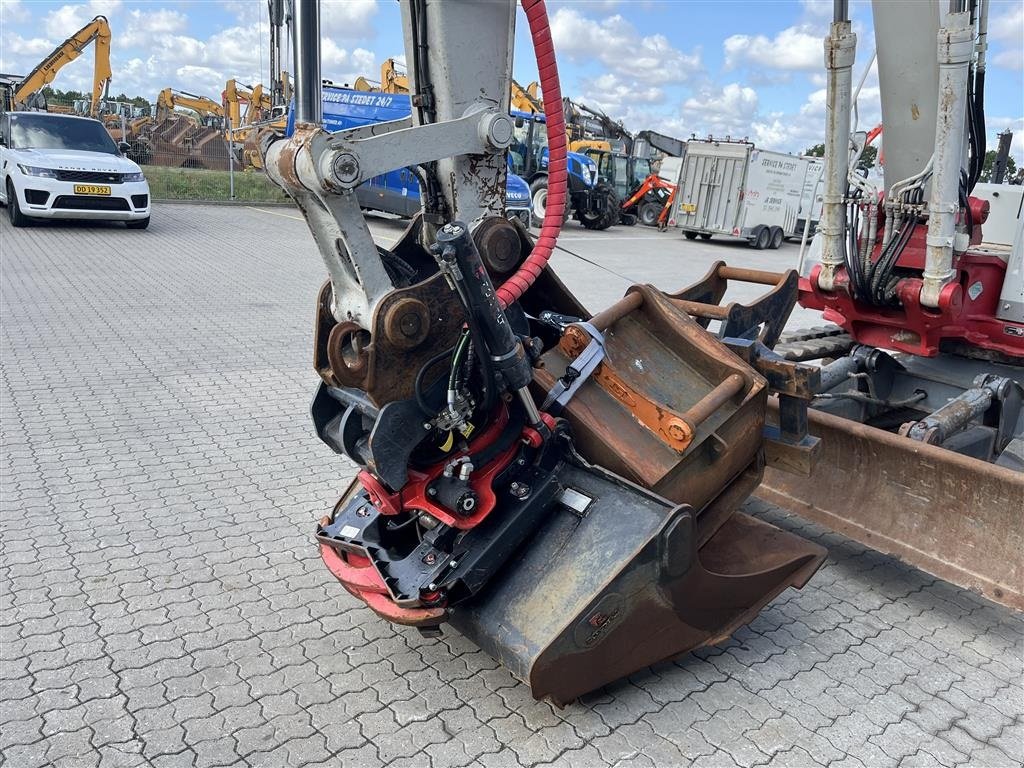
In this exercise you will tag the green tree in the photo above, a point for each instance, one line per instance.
(867, 158)
(989, 166)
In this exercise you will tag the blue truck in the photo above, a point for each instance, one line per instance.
(398, 191)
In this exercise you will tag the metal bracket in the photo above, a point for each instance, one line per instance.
(577, 372)
(788, 445)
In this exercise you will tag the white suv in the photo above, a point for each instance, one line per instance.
(64, 167)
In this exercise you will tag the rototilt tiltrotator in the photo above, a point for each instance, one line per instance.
(561, 490)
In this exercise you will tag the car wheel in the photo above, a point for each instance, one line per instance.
(777, 237)
(138, 223)
(18, 219)
(762, 237)
(690, 235)
(649, 214)
(705, 235)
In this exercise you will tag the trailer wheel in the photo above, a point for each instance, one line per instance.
(761, 237)
(649, 214)
(777, 237)
(690, 235)
(705, 235)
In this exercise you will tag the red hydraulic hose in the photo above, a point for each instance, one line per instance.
(516, 285)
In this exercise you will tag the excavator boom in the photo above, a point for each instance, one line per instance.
(96, 31)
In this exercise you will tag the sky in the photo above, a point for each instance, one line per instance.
(743, 68)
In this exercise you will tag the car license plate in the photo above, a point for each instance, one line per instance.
(92, 189)
(688, 207)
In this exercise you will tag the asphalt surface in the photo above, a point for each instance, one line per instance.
(162, 602)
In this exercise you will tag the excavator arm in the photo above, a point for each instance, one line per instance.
(169, 99)
(525, 99)
(670, 145)
(96, 31)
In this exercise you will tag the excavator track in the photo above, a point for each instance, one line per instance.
(814, 343)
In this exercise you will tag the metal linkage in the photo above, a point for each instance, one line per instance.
(466, 135)
(995, 400)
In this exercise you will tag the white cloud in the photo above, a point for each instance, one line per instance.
(610, 94)
(144, 28)
(1006, 32)
(13, 11)
(63, 22)
(722, 111)
(615, 43)
(347, 19)
(36, 46)
(344, 66)
(794, 48)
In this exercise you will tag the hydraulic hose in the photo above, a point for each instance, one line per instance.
(516, 285)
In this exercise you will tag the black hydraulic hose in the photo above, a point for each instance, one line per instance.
(979, 143)
(421, 400)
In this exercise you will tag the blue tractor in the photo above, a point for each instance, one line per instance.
(398, 191)
(593, 202)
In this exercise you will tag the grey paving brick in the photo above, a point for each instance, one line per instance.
(150, 629)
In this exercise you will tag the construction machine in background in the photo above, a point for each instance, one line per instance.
(391, 80)
(182, 139)
(590, 201)
(527, 99)
(650, 200)
(26, 93)
(559, 486)
(919, 409)
(208, 112)
(255, 101)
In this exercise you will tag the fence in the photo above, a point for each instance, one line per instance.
(185, 156)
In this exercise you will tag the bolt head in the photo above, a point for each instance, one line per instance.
(346, 168)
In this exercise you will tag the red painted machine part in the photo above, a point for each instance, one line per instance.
(966, 310)
(414, 495)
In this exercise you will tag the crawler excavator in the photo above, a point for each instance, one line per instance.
(920, 405)
(26, 93)
(558, 486)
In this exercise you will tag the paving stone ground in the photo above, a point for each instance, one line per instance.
(162, 602)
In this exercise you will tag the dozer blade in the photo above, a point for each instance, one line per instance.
(614, 581)
(956, 517)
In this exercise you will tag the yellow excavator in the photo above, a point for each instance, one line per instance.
(391, 80)
(27, 93)
(207, 109)
(527, 99)
(243, 126)
(256, 101)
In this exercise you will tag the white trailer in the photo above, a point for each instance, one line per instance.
(732, 188)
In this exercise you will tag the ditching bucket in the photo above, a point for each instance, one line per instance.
(636, 576)
(620, 585)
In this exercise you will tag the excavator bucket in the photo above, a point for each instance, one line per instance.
(955, 517)
(640, 555)
(615, 581)
(645, 556)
